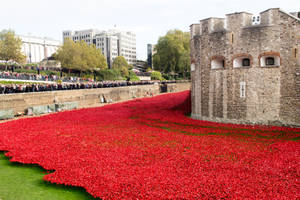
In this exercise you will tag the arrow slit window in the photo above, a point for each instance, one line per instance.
(242, 89)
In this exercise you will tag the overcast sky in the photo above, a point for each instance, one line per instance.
(149, 19)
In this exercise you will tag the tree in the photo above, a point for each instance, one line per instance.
(119, 62)
(80, 56)
(121, 65)
(173, 53)
(66, 54)
(10, 47)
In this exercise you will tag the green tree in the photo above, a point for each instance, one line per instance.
(66, 54)
(80, 56)
(124, 71)
(10, 47)
(119, 62)
(173, 53)
(121, 65)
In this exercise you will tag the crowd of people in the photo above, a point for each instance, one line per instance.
(38, 77)
(42, 87)
(27, 76)
(54, 83)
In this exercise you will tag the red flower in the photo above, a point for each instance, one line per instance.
(149, 149)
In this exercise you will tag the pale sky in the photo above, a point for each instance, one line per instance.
(149, 19)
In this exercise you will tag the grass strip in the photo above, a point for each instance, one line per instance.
(25, 182)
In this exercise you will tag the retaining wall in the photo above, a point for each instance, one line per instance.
(24, 102)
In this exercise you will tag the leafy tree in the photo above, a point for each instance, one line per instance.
(66, 54)
(124, 71)
(80, 56)
(130, 67)
(173, 53)
(119, 62)
(10, 47)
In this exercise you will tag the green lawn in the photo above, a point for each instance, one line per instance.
(25, 182)
(16, 82)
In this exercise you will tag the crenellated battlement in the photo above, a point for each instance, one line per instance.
(211, 25)
(234, 22)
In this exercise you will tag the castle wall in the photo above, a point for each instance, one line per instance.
(290, 82)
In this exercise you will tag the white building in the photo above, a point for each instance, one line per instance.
(37, 49)
(108, 43)
(112, 43)
(127, 45)
(85, 35)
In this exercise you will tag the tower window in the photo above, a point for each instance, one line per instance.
(246, 62)
(242, 60)
(242, 89)
(270, 61)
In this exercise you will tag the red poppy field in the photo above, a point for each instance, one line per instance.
(149, 149)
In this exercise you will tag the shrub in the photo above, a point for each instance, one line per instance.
(155, 75)
(108, 74)
(132, 76)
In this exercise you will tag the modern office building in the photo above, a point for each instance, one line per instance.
(108, 44)
(150, 53)
(85, 35)
(37, 49)
(112, 43)
(127, 45)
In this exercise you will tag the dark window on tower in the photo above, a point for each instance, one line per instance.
(270, 61)
(246, 62)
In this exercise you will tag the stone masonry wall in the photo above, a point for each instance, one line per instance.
(85, 98)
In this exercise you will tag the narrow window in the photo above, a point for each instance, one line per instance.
(246, 62)
(270, 61)
(232, 38)
(295, 52)
(243, 89)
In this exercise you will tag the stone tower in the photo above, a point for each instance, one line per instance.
(246, 69)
